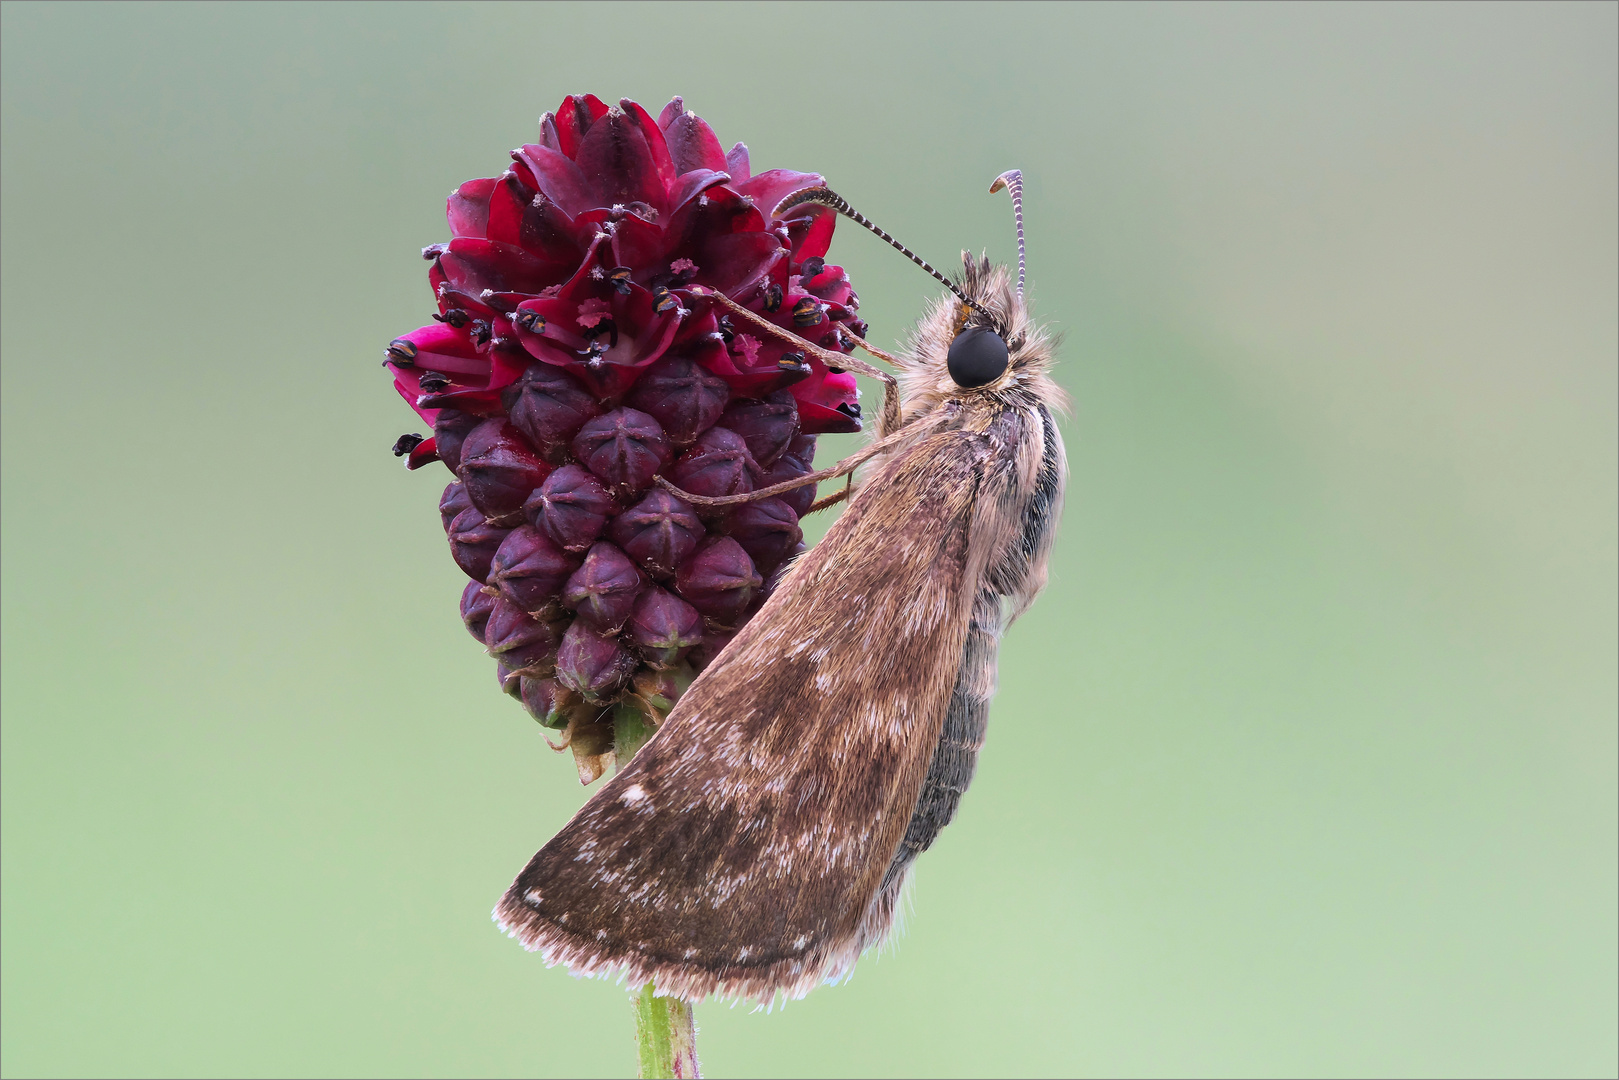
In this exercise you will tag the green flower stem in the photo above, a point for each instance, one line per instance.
(665, 1032)
(666, 1037)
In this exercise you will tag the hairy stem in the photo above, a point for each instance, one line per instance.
(665, 1032)
(666, 1036)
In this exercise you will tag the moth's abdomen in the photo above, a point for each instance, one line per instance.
(956, 756)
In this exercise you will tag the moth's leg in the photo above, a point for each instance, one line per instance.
(849, 464)
(889, 422)
(836, 497)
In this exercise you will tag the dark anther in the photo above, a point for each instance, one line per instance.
(773, 298)
(663, 300)
(812, 268)
(432, 382)
(619, 278)
(402, 352)
(726, 330)
(405, 444)
(851, 410)
(480, 333)
(790, 361)
(834, 370)
(433, 251)
(807, 312)
(532, 321)
(457, 318)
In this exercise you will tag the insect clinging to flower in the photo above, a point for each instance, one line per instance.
(759, 843)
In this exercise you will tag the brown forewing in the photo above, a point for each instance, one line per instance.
(738, 852)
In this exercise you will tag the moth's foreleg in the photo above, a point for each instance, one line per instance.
(847, 465)
(891, 406)
(836, 360)
(836, 497)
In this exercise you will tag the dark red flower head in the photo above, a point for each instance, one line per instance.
(569, 363)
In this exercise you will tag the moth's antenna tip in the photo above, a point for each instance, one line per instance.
(1006, 180)
(1012, 181)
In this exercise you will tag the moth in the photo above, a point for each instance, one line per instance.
(759, 843)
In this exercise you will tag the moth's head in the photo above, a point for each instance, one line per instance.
(981, 341)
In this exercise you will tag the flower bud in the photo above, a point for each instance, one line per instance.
(681, 395)
(656, 692)
(604, 588)
(664, 627)
(449, 432)
(476, 606)
(452, 502)
(794, 462)
(658, 532)
(719, 579)
(473, 543)
(718, 464)
(529, 568)
(548, 406)
(625, 448)
(498, 468)
(714, 643)
(519, 641)
(571, 507)
(767, 530)
(547, 700)
(767, 426)
(591, 663)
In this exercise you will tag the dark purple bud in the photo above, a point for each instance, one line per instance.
(713, 643)
(719, 579)
(548, 406)
(795, 461)
(718, 464)
(546, 700)
(664, 627)
(591, 663)
(518, 640)
(475, 608)
(452, 502)
(658, 532)
(449, 431)
(683, 396)
(473, 543)
(604, 588)
(572, 507)
(498, 468)
(529, 568)
(767, 530)
(625, 448)
(767, 426)
(510, 681)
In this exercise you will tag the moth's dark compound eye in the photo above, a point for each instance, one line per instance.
(977, 357)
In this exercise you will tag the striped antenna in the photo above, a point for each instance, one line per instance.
(1012, 181)
(828, 197)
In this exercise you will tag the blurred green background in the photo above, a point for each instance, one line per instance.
(1305, 763)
